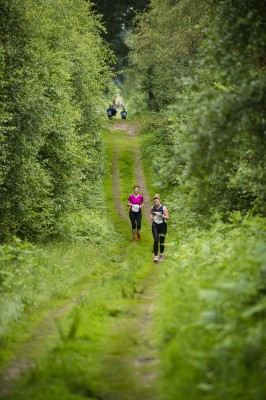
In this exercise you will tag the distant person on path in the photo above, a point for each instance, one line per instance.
(109, 111)
(122, 104)
(114, 108)
(123, 113)
(159, 217)
(135, 202)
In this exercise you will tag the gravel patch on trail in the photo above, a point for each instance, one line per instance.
(130, 128)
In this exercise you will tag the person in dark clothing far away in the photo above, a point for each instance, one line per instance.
(114, 107)
(110, 111)
(123, 113)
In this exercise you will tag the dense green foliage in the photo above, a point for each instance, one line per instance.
(164, 51)
(212, 336)
(53, 71)
(207, 64)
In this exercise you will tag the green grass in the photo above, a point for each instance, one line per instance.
(37, 280)
(126, 175)
(83, 357)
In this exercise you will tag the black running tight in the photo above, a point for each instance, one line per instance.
(159, 232)
(135, 218)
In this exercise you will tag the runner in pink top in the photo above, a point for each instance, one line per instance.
(135, 202)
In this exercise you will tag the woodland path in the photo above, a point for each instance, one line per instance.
(131, 129)
(138, 362)
(144, 365)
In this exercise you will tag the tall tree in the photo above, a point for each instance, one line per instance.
(53, 72)
(165, 46)
(118, 20)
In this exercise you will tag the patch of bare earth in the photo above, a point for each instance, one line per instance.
(130, 128)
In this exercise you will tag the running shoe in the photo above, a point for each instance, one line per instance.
(156, 259)
(139, 235)
(133, 240)
(161, 258)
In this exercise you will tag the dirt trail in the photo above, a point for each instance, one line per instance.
(141, 182)
(131, 129)
(146, 361)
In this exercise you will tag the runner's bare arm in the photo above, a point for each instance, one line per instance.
(165, 213)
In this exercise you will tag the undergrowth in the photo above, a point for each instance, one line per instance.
(211, 308)
(212, 336)
(35, 279)
(93, 354)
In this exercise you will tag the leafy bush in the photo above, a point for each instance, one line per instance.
(19, 263)
(87, 225)
(17, 260)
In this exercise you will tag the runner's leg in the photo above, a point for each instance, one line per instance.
(138, 219)
(133, 223)
(163, 232)
(155, 233)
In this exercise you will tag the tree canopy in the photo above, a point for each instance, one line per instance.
(117, 17)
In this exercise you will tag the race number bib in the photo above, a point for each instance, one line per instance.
(158, 219)
(135, 207)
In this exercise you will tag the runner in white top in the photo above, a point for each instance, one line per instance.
(159, 217)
